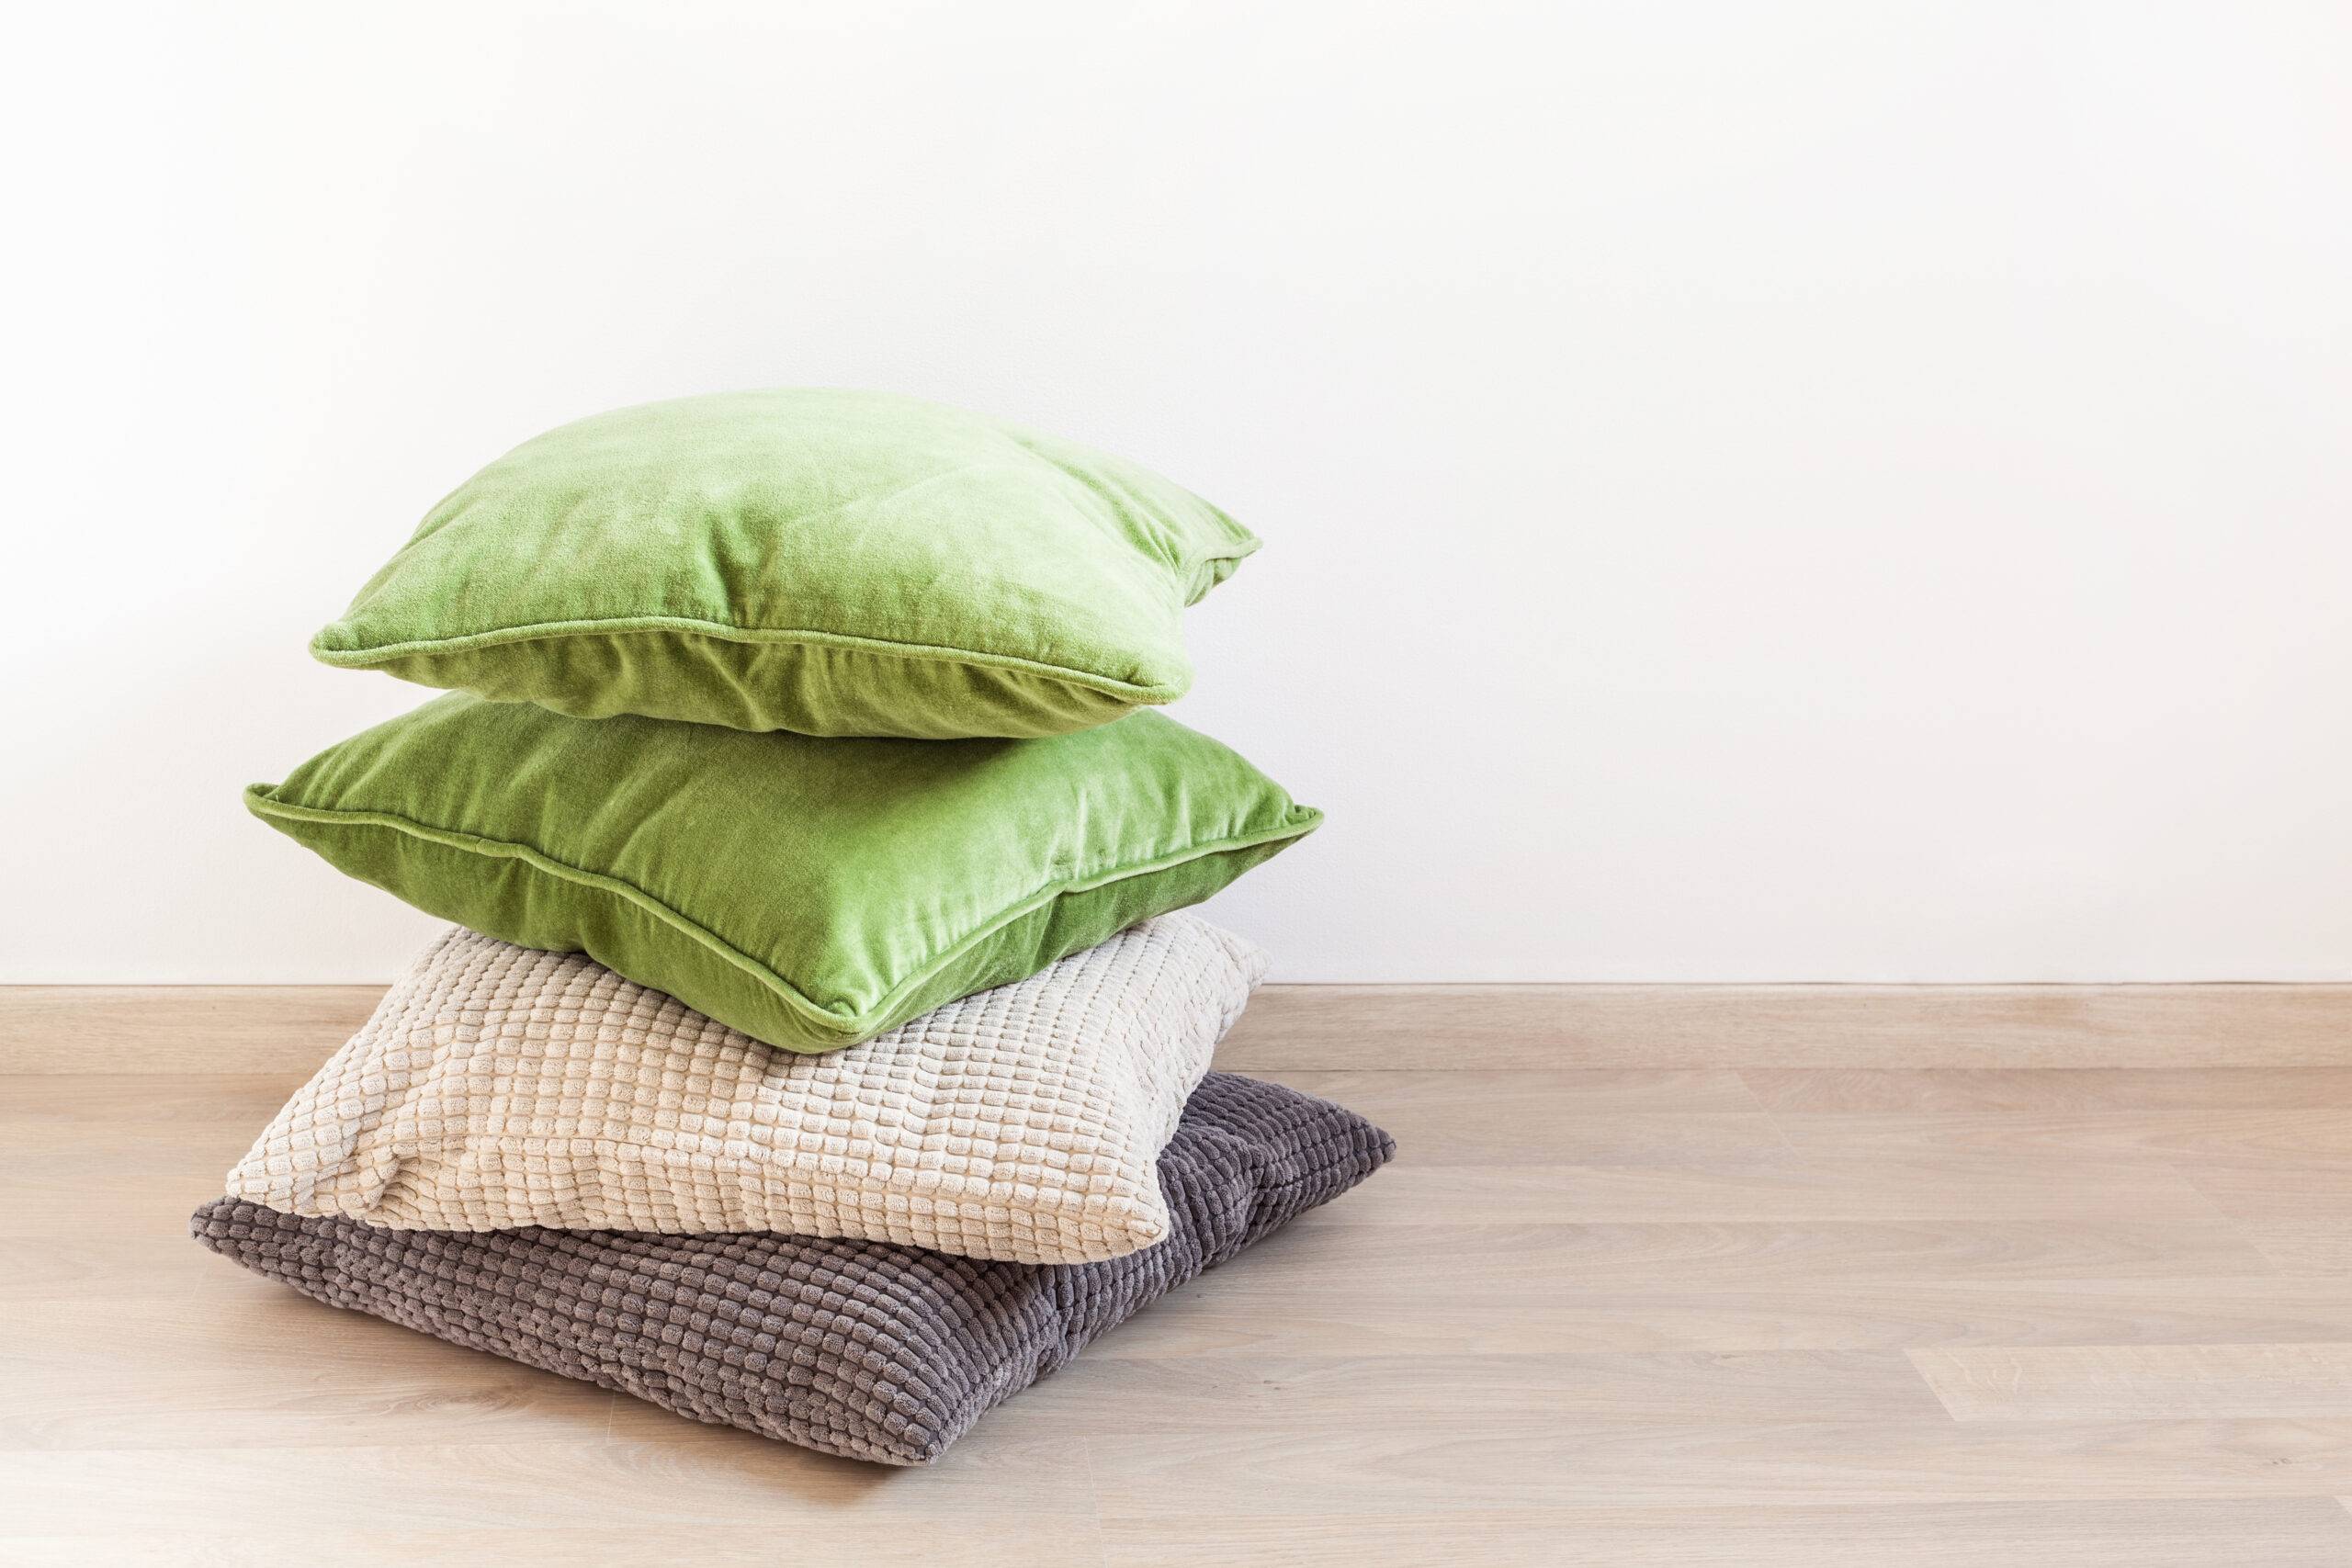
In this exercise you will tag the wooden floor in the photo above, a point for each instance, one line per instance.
(1743, 1313)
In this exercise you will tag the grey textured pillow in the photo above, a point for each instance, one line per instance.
(853, 1347)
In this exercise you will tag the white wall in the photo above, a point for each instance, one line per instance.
(1752, 491)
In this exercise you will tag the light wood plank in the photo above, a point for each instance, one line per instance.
(2195, 1533)
(1459, 1468)
(1299, 1392)
(2276, 1188)
(695, 1476)
(2301, 1532)
(65, 1194)
(2298, 1213)
(159, 1264)
(2191, 1140)
(110, 1374)
(177, 1028)
(270, 1028)
(812, 1537)
(269, 1409)
(1776, 1186)
(2317, 1247)
(1412, 1261)
(2046, 1090)
(1455, 1094)
(1795, 1026)
(1286, 1313)
(1558, 1118)
(2113, 1383)
(223, 1104)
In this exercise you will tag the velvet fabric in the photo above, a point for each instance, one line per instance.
(828, 562)
(810, 892)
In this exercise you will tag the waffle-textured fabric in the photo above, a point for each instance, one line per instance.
(810, 892)
(853, 1347)
(498, 1087)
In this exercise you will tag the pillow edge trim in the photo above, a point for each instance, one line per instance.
(1298, 821)
(373, 656)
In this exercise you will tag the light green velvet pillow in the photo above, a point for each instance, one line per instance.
(811, 893)
(829, 563)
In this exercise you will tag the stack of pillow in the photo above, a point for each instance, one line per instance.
(821, 1052)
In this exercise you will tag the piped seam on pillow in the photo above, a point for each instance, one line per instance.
(1202, 574)
(849, 1024)
(549, 631)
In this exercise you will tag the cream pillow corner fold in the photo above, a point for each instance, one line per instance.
(498, 1087)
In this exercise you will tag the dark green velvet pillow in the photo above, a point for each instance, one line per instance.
(829, 563)
(811, 893)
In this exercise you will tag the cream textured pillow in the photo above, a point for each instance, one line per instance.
(499, 1086)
